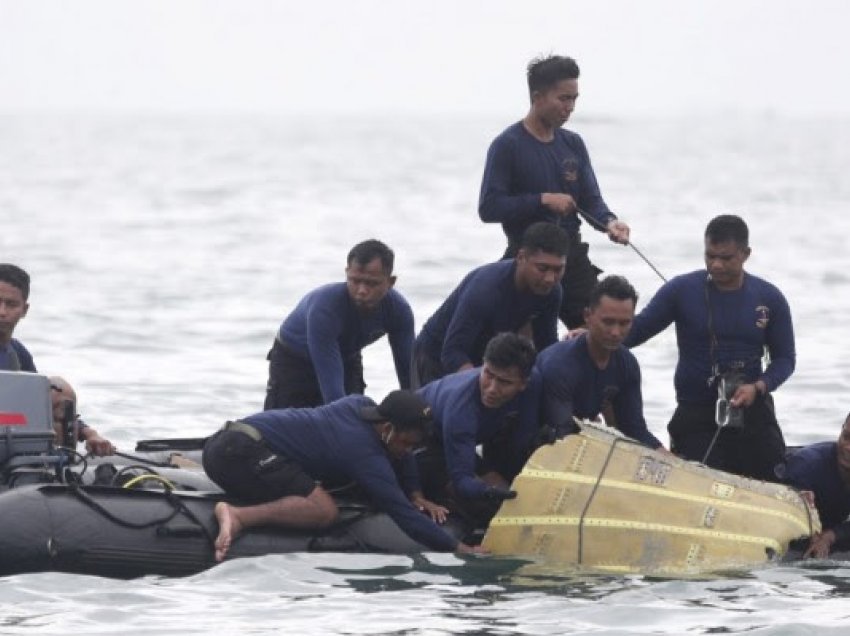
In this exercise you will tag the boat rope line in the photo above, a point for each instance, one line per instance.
(144, 460)
(177, 505)
(94, 505)
(580, 546)
(643, 488)
(598, 225)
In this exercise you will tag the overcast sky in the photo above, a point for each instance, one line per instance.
(400, 56)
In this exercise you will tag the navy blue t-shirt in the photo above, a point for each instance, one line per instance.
(14, 350)
(462, 422)
(574, 386)
(333, 443)
(487, 302)
(326, 328)
(744, 321)
(520, 168)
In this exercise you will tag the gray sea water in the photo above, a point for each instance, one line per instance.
(166, 249)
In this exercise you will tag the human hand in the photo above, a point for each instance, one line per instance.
(574, 333)
(437, 512)
(618, 231)
(560, 203)
(820, 545)
(96, 445)
(463, 548)
(744, 396)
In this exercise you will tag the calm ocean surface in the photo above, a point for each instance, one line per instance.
(165, 250)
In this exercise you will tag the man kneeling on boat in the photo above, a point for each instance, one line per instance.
(273, 460)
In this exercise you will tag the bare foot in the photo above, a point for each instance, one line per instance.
(229, 528)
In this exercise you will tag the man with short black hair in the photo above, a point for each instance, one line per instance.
(495, 406)
(276, 462)
(725, 320)
(594, 373)
(14, 296)
(538, 171)
(520, 295)
(316, 357)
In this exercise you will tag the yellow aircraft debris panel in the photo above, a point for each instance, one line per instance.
(598, 501)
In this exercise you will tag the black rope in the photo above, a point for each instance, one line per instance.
(144, 460)
(616, 441)
(87, 499)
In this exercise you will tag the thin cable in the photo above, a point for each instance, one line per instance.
(598, 225)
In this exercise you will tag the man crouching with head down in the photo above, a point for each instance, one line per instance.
(273, 460)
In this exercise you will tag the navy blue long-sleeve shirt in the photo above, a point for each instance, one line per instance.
(333, 443)
(15, 349)
(574, 386)
(461, 422)
(326, 328)
(520, 168)
(745, 321)
(815, 468)
(487, 302)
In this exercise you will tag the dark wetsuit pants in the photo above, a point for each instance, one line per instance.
(238, 460)
(752, 450)
(425, 367)
(293, 382)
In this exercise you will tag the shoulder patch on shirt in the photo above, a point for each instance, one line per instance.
(762, 316)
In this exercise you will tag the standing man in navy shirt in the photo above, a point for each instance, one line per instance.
(521, 295)
(824, 470)
(14, 294)
(496, 406)
(316, 357)
(725, 320)
(537, 171)
(595, 373)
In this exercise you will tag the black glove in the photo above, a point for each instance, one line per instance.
(499, 494)
(546, 435)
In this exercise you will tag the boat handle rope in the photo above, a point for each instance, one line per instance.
(178, 506)
(143, 460)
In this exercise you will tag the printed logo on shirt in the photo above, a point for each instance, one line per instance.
(762, 316)
(570, 170)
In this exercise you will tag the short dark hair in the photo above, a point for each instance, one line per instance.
(545, 237)
(508, 349)
(16, 277)
(365, 252)
(546, 71)
(728, 227)
(616, 287)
